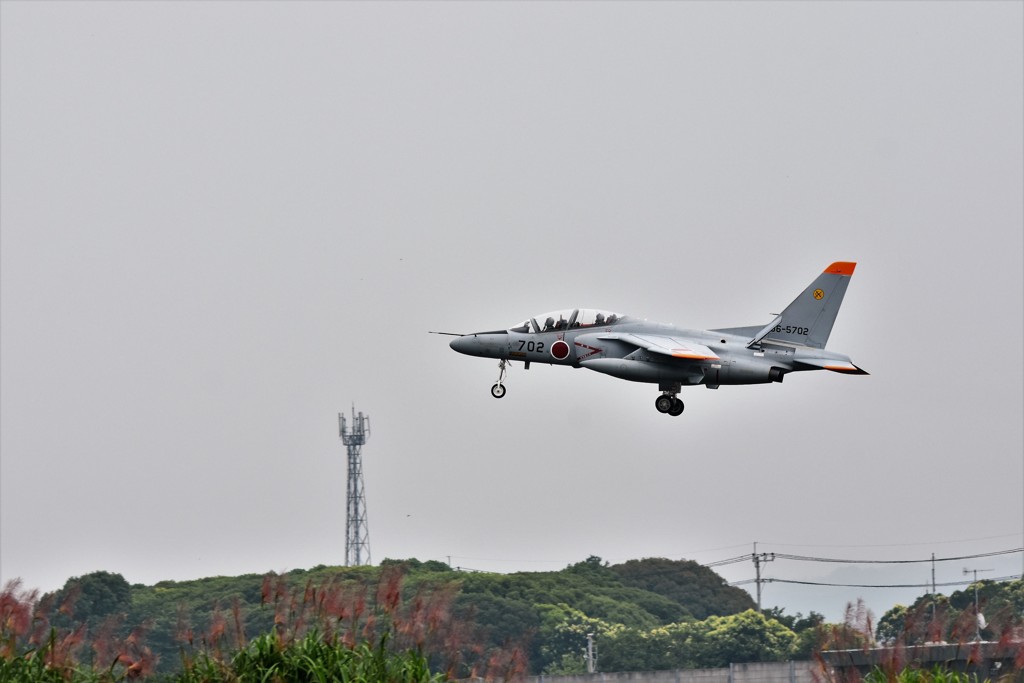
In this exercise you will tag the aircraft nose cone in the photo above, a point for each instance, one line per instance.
(462, 344)
(483, 344)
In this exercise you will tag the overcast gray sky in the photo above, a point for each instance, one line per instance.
(223, 223)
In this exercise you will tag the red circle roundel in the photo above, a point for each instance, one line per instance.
(560, 350)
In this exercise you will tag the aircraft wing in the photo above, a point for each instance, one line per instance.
(674, 347)
(833, 365)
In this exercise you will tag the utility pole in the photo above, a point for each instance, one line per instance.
(934, 592)
(758, 561)
(977, 614)
(591, 655)
(357, 533)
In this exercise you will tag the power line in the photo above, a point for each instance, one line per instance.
(804, 558)
(740, 558)
(807, 558)
(731, 560)
(765, 557)
(873, 585)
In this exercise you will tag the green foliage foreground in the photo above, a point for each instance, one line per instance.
(312, 659)
(910, 675)
(266, 658)
(331, 633)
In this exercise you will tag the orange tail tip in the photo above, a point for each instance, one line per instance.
(841, 268)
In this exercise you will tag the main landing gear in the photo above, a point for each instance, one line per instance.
(498, 390)
(668, 403)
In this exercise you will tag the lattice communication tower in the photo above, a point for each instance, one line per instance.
(357, 533)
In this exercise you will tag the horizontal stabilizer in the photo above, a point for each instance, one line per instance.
(764, 332)
(833, 365)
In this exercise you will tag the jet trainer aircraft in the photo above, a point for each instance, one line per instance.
(671, 357)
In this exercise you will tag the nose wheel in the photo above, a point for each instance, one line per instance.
(498, 390)
(668, 403)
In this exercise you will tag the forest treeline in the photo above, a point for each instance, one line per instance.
(641, 615)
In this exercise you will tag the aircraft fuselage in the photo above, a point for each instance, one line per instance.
(671, 357)
(733, 361)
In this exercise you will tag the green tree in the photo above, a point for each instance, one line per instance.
(714, 642)
(665, 647)
(892, 624)
(808, 642)
(745, 637)
(95, 596)
(624, 649)
(796, 622)
(699, 590)
(568, 665)
(811, 621)
(563, 632)
(1001, 604)
(808, 630)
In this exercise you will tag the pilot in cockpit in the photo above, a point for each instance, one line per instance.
(599, 320)
(549, 324)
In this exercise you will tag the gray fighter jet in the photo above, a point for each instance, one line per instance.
(642, 351)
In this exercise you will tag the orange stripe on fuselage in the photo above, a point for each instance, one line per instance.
(842, 268)
(692, 356)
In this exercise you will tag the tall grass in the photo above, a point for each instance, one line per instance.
(344, 632)
(312, 659)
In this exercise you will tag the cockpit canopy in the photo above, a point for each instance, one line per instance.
(567, 319)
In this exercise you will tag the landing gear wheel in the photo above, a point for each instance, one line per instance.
(664, 403)
(677, 408)
(498, 390)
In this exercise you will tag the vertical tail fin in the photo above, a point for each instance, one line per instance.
(808, 320)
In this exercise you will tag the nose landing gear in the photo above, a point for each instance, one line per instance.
(498, 390)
